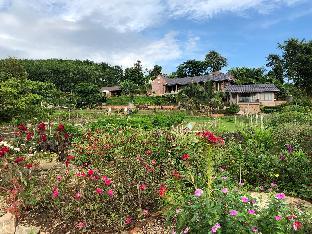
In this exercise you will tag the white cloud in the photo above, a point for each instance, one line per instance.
(202, 9)
(108, 30)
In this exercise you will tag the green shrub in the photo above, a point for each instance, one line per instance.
(232, 109)
(142, 100)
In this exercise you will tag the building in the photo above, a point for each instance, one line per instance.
(111, 91)
(251, 97)
(164, 85)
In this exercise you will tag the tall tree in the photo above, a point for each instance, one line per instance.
(191, 68)
(135, 74)
(297, 56)
(215, 61)
(275, 62)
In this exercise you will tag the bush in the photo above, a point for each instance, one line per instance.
(232, 109)
(142, 100)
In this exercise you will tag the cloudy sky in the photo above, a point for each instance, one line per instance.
(164, 32)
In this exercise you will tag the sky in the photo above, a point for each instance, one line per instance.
(163, 32)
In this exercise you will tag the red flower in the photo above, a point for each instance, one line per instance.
(19, 159)
(162, 190)
(176, 174)
(154, 162)
(29, 166)
(90, 172)
(4, 150)
(142, 187)
(210, 137)
(29, 136)
(43, 137)
(22, 127)
(60, 127)
(148, 152)
(185, 157)
(67, 161)
(41, 127)
(66, 135)
(297, 225)
(110, 192)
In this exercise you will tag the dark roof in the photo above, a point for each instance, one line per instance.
(252, 88)
(198, 79)
(110, 89)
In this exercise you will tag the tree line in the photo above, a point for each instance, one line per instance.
(25, 83)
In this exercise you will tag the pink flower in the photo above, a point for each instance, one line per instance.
(273, 185)
(252, 212)
(291, 217)
(254, 229)
(224, 177)
(110, 192)
(81, 225)
(145, 212)
(142, 187)
(215, 228)
(244, 199)
(233, 212)
(225, 190)
(55, 192)
(77, 196)
(106, 180)
(280, 196)
(128, 220)
(99, 191)
(59, 178)
(198, 192)
(297, 225)
(253, 201)
(153, 162)
(278, 218)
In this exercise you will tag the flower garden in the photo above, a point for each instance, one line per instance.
(113, 173)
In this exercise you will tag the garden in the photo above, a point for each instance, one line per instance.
(97, 172)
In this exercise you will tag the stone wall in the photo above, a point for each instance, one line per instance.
(158, 86)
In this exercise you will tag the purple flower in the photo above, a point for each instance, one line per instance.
(282, 157)
(280, 196)
(233, 212)
(198, 192)
(253, 201)
(252, 212)
(289, 148)
(245, 199)
(225, 190)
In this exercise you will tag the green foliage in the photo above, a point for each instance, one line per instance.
(142, 122)
(142, 100)
(135, 74)
(232, 109)
(191, 68)
(88, 95)
(245, 75)
(297, 58)
(215, 61)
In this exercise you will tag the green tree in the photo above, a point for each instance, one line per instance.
(88, 95)
(135, 74)
(191, 68)
(275, 62)
(297, 57)
(245, 75)
(215, 61)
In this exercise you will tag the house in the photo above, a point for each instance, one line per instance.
(163, 85)
(251, 97)
(111, 91)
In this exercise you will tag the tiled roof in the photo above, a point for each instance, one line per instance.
(199, 79)
(112, 88)
(252, 88)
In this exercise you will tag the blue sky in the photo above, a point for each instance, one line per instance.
(164, 32)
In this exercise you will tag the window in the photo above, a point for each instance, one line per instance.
(266, 96)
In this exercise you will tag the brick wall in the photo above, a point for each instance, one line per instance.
(158, 87)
